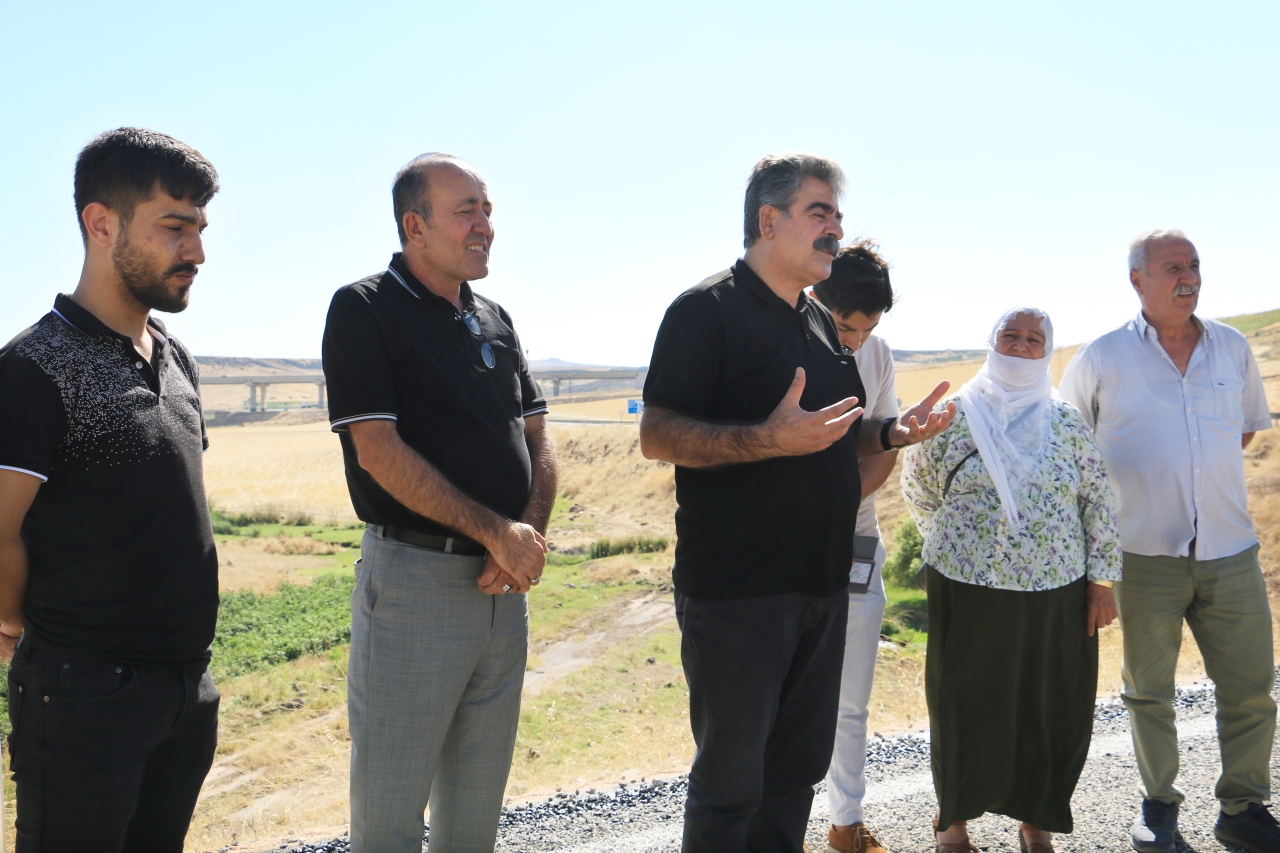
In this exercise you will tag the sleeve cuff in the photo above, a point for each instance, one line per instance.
(1107, 584)
(371, 416)
(41, 477)
(1258, 425)
(538, 410)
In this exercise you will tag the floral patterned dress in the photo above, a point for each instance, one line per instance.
(1066, 510)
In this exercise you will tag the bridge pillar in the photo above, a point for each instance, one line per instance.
(253, 397)
(555, 387)
(320, 394)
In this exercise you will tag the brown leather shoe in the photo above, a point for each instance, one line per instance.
(852, 839)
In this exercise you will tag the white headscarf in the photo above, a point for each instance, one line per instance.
(1006, 405)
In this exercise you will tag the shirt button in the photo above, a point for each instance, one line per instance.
(138, 365)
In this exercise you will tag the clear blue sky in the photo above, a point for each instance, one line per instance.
(1003, 152)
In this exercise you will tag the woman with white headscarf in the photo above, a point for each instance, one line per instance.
(1021, 550)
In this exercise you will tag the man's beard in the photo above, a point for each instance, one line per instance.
(145, 281)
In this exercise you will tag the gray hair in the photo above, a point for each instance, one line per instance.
(1139, 248)
(409, 191)
(776, 181)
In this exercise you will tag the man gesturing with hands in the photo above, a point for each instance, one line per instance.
(753, 399)
(449, 464)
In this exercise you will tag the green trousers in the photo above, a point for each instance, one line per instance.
(1225, 604)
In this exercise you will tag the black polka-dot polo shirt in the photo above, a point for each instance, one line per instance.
(121, 555)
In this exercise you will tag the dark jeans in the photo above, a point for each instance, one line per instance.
(764, 691)
(107, 757)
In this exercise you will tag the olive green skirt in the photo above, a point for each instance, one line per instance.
(1011, 680)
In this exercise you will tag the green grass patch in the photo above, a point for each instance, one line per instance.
(1247, 323)
(574, 588)
(637, 543)
(906, 617)
(256, 631)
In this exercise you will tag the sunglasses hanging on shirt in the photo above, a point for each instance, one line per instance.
(477, 336)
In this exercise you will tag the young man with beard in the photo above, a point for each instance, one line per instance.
(857, 294)
(754, 400)
(108, 576)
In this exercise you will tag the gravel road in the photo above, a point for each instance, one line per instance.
(645, 817)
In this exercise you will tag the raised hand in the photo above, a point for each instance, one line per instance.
(794, 432)
(920, 422)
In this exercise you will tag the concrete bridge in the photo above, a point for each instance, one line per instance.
(258, 385)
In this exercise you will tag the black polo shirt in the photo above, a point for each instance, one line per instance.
(395, 351)
(121, 554)
(727, 352)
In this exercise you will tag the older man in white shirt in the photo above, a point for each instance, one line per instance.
(1174, 399)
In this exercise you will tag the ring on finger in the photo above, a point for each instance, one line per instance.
(506, 587)
(534, 581)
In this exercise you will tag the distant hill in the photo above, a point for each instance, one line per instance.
(1249, 323)
(215, 365)
(546, 365)
(935, 356)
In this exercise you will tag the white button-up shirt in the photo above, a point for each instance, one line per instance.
(1172, 441)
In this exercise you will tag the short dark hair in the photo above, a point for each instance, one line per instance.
(859, 281)
(410, 190)
(776, 181)
(120, 169)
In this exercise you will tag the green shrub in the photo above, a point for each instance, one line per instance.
(906, 558)
(258, 515)
(639, 543)
(260, 630)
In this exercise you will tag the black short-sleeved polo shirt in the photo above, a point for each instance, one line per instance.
(727, 352)
(120, 549)
(395, 351)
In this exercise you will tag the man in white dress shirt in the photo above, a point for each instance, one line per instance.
(1174, 399)
(857, 294)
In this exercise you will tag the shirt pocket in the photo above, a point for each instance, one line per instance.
(1228, 401)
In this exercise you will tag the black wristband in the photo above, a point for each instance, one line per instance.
(884, 433)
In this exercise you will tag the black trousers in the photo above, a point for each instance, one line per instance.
(107, 756)
(764, 691)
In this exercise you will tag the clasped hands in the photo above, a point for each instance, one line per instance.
(515, 560)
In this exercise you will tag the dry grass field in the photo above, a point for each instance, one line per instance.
(290, 466)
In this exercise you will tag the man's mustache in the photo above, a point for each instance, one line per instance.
(177, 268)
(1186, 290)
(827, 244)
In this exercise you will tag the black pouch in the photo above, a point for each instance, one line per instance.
(864, 563)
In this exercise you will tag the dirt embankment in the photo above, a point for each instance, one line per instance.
(614, 489)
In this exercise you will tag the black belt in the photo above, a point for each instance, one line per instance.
(447, 544)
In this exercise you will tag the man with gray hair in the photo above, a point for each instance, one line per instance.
(449, 464)
(754, 400)
(1174, 399)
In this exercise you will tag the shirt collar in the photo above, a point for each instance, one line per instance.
(75, 315)
(1145, 329)
(747, 277)
(407, 281)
